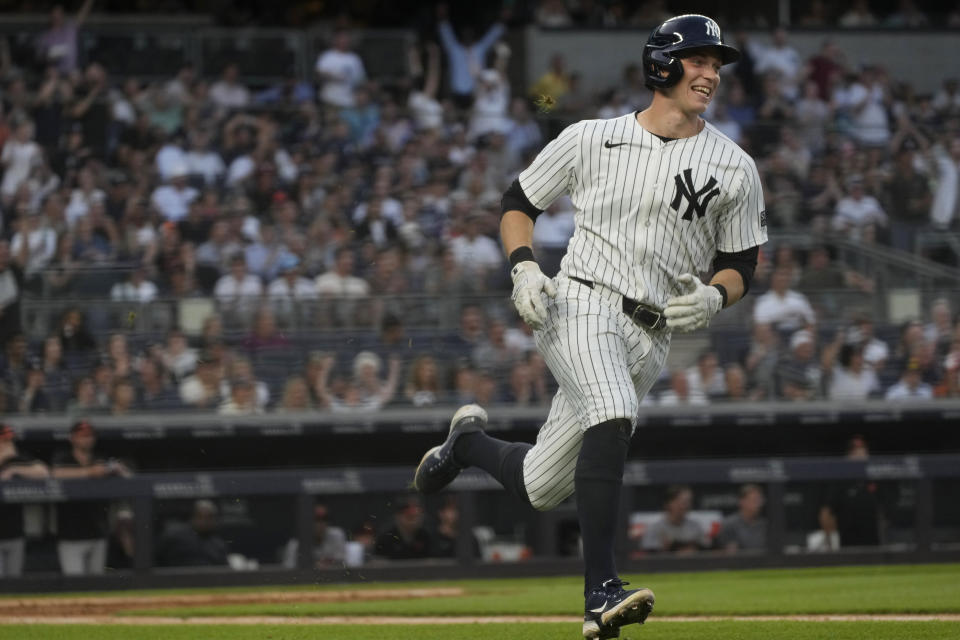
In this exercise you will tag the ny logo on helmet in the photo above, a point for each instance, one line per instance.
(713, 29)
(686, 190)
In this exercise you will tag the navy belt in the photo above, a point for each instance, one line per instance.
(641, 314)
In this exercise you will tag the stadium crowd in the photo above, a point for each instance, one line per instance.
(299, 206)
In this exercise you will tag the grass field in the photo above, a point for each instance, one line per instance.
(924, 589)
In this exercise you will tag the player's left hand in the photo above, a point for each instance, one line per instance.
(695, 308)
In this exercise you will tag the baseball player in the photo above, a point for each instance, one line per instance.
(660, 196)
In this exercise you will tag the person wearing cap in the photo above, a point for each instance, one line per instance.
(406, 539)
(857, 213)
(82, 524)
(172, 200)
(911, 385)
(329, 545)
(14, 465)
(798, 374)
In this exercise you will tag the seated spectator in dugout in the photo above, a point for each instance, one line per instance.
(747, 528)
(675, 531)
(827, 538)
(406, 539)
(194, 544)
(329, 543)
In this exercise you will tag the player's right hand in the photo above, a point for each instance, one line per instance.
(528, 283)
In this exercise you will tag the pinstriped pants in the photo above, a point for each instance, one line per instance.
(604, 364)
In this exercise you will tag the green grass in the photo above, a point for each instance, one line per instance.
(897, 589)
(652, 631)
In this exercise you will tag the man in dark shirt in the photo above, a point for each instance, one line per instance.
(82, 525)
(14, 466)
(747, 528)
(907, 200)
(406, 539)
(195, 544)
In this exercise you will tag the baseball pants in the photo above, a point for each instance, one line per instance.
(82, 557)
(11, 557)
(604, 364)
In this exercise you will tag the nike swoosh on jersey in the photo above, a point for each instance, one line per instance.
(610, 145)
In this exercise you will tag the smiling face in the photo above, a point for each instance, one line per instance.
(700, 81)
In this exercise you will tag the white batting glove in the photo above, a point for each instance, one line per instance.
(528, 283)
(695, 308)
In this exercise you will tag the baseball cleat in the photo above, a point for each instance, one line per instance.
(438, 468)
(610, 606)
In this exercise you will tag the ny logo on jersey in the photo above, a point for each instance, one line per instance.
(713, 29)
(686, 190)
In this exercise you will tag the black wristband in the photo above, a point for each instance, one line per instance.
(521, 254)
(723, 293)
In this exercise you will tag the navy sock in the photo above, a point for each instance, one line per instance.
(502, 460)
(597, 483)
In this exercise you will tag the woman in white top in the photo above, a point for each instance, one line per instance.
(20, 154)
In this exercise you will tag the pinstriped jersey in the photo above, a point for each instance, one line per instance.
(648, 210)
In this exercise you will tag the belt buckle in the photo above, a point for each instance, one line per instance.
(655, 324)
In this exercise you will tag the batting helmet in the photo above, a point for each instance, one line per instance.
(691, 31)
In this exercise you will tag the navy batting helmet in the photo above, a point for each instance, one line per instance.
(691, 31)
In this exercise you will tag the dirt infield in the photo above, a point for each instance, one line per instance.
(50, 607)
(396, 620)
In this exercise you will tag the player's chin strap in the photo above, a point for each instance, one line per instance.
(696, 307)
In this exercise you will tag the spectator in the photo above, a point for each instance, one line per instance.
(493, 354)
(747, 528)
(526, 384)
(406, 539)
(228, 92)
(908, 200)
(194, 544)
(474, 252)
(857, 504)
(850, 377)
(422, 103)
(798, 375)
(203, 160)
(859, 15)
(555, 82)
(781, 307)
(827, 538)
(82, 524)
(265, 334)
(238, 291)
(340, 71)
(552, 234)
(242, 400)
(135, 289)
(124, 397)
(491, 103)
(946, 197)
(242, 369)
(706, 377)
(11, 288)
(423, 383)
(14, 465)
(911, 385)
(941, 328)
(34, 397)
(203, 388)
(296, 395)
(782, 59)
(58, 383)
(220, 247)
(329, 543)
(680, 393)
(156, 391)
(177, 356)
(58, 44)
(365, 392)
(675, 531)
(737, 389)
(907, 16)
(20, 155)
(172, 201)
(858, 214)
(465, 57)
(291, 295)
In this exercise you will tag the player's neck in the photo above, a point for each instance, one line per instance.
(664, 119)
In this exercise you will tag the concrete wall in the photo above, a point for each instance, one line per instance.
(600, 56)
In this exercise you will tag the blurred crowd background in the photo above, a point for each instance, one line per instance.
(207, 241)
